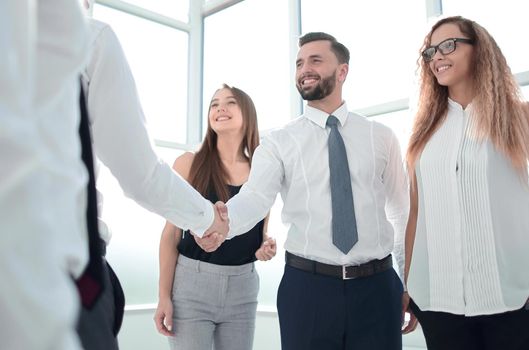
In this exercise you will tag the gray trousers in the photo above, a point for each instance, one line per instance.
(214, 306)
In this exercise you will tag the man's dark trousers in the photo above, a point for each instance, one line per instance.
(318, 312)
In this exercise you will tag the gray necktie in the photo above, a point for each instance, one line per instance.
(344, 233)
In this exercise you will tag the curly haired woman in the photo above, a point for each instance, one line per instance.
(468, 230)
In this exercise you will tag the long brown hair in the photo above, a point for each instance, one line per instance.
(207, 171)
(500, 112)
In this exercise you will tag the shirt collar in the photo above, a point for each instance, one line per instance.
(320, 117)
(453, 104)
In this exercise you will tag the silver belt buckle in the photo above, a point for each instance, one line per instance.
(344, 273)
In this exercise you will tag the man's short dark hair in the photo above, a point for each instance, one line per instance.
(339, 49)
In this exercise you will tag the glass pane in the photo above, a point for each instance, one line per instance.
(133, 250)
(504, 20)
(237, 51)
(158, 58)
(256, 61)
(384, 46)
(177, 9)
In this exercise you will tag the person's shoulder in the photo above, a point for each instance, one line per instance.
(377, 126)
(101, 32)
(356, 118)
(297, 125)
(359, 121)
(95, 24)
(284, 132)
(379, 130)
(96, 27)
(182, 164)
(291, 124)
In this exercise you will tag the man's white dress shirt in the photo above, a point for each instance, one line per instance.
(42, 177)
(122, 143)
(294, 161)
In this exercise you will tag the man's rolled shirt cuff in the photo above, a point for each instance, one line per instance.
(203, 221)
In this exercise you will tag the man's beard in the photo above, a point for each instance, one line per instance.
(323, 89)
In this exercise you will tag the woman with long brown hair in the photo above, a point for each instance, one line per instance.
(210, 298)
(468, 230)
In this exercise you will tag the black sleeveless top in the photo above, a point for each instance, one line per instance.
(239, 250)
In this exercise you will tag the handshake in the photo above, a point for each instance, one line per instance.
(218, 231)
(213, 238)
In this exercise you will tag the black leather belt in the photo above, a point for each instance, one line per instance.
(344, 272)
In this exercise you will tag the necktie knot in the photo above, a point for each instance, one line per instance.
(332, 121)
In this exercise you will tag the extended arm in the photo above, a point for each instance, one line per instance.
(411, 228)
(397, 204)
(255, 198)
(122, 143)
(171, 236)
(163, 318)
(257, 195)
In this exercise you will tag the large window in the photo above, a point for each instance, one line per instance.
(133, 249)
(177, 9)
(505, 20)
(157, 55)
(247, 46)
(384, 46)
(400, 122)
(246, 51)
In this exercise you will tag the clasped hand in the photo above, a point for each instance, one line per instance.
(212, 239)
(217, 233)
(267, 250)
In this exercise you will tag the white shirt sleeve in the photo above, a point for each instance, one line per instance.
(397, 200)
(257, 196)
(122, 143)
(42, 48)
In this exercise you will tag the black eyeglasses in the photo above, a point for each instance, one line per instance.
(445, 47)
